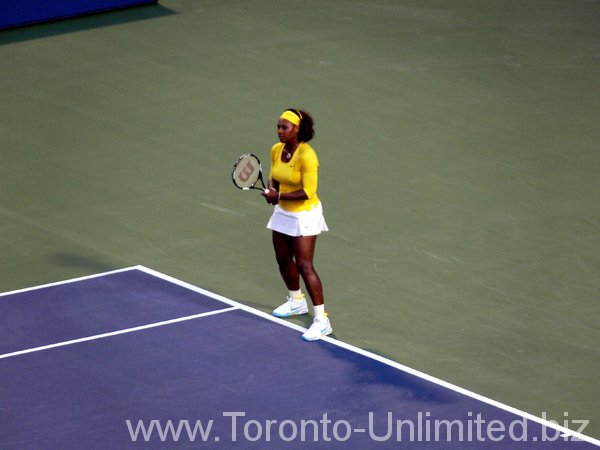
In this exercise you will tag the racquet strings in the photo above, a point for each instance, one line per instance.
(246, 171)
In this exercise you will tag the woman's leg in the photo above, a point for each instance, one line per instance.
(303, 252)
(284, 254)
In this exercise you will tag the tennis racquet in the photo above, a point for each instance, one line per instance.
(247, 171)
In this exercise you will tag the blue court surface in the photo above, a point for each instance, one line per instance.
(136, 359)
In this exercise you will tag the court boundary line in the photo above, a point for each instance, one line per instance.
(234, 305)
(566, 432)
(70, 280)
(116, 333)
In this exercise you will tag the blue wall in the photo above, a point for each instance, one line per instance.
(22, 12)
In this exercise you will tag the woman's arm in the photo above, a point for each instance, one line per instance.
(300, 194)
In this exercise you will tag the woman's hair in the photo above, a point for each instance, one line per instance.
(306, 131)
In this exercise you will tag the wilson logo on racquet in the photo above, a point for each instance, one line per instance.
(247, 172)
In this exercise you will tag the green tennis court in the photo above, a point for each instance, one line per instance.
(459, 172)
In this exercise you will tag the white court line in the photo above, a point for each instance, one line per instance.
(565, 431)
(116, 333)
(238, 306)
(72, 280)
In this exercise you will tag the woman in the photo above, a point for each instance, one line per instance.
(297, 218)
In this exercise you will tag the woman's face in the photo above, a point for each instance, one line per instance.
(287, 131)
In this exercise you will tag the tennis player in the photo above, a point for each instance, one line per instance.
(297, 218)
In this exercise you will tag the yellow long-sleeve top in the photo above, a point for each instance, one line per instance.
(301, 172)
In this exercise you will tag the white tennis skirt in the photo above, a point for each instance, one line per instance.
(301, 223)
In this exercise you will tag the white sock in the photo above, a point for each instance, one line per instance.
(297, 295)
(319, 311)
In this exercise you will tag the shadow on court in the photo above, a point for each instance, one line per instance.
(82, 23)
(90, 264)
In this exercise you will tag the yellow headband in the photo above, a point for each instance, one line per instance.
(292, 117)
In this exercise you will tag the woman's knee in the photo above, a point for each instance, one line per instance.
(305, 267)
(284, 260)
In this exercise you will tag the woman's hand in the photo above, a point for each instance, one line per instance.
(271, 195)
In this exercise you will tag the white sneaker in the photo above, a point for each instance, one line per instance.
(318, 329)
(293, 307)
